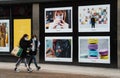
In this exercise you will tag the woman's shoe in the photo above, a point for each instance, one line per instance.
(29, 70)
(16, 70)
(38, 68)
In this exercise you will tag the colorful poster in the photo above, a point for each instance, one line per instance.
(58, 19)
(94, 18)
(94, 49)
(21, 27)
(4, 36)
(58, 49)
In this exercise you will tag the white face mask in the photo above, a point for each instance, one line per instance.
(26, 38)
(59, 17)
(34, 38)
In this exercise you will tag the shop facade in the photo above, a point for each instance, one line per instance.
(78, 32)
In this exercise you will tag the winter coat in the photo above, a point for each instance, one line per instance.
(35, 49)
(24, 44)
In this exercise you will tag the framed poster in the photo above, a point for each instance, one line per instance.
(21, 27)
(94, 18)
(58, 19)
(58, 49)
(4, 35)
(94, 49)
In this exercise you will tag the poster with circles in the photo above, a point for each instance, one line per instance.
(94, 18)
(94, 49)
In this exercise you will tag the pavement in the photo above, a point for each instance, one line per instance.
(57, 71)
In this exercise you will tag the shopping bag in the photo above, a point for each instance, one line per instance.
(17, 51)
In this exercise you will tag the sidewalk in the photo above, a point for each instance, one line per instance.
(52, 68)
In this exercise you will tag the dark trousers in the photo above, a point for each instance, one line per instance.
(32, 57)
(93, 25)
(20, 60)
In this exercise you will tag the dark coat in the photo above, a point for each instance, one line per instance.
(36, 46)
(92, 20)
(24, 44)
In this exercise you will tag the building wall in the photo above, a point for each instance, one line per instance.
(35, 22)
(36, 30)
(118, 33)
(36, 26)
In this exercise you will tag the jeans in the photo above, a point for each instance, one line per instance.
(20, 60)
(32, 57)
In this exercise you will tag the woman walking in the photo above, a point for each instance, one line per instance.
(34, 46)
(24, 44)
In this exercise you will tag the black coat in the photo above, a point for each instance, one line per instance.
(36, 46)
(92, 21)
(24, 44)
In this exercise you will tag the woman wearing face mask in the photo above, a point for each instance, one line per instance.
(24, 44)
(34, 46)
(59, 20)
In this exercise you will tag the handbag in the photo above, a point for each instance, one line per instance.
(17, 51)
(28, 50)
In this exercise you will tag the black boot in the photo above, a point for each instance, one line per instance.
(38, 68)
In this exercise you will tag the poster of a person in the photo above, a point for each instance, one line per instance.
(4, 35)
(58, 19)
(94, 18)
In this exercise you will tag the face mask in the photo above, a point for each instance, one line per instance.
(59, 17)
(35, 39)
(26, 38)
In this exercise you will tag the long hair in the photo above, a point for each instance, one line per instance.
(25, 35)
